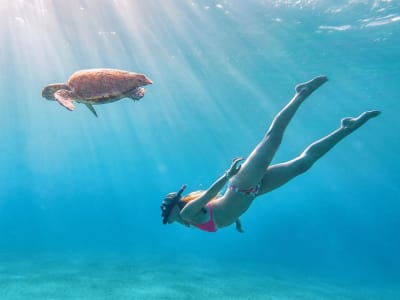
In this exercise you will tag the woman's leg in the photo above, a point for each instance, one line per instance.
(279, 174)
(253, 169)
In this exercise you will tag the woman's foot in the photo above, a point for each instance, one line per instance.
(354, 123)
(305, 89)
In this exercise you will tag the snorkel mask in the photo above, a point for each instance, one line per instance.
(169, 202)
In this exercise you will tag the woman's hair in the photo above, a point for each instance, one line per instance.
(191, 196)
(194, 195)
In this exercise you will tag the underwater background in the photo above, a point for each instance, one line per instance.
(80, 196)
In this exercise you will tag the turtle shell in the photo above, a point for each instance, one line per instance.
(96, 84)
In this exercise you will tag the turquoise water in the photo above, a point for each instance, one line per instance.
(80, 196)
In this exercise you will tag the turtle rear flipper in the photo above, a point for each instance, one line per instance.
(64, 97)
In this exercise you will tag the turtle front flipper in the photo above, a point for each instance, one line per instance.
(91, 108)
(136, 93)
(64, 97)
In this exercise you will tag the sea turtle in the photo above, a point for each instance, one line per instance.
(97, 86)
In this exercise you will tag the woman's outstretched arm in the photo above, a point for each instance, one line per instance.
(193, 207)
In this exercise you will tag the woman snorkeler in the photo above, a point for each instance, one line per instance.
(209, 211)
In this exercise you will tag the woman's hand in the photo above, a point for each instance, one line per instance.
(239, 226)
(234, 168)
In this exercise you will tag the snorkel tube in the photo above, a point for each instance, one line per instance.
(169, 202)
(183, 187)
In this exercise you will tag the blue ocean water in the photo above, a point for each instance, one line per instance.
(80, 196)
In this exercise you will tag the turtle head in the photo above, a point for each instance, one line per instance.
(49, 90)
(142, 80)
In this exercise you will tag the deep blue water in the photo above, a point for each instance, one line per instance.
(72, 185)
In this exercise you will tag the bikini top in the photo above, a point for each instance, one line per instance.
(210, 224)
